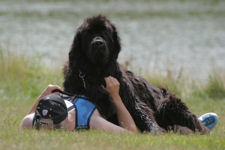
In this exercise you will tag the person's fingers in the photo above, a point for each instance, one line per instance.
(117, 81)
(51, 88)
(107, 78)
(110, 80)
(103, 86)
(114, 81)
(107, 82)
(57, 87)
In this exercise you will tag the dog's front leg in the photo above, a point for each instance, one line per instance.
(144, 119)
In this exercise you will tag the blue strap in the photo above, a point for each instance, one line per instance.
(84, 110)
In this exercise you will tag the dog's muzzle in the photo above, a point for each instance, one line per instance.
(98, 43)
(99, 50)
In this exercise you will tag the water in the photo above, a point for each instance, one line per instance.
(156, 35)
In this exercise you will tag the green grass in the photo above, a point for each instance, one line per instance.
(214, 88)
(22, 79)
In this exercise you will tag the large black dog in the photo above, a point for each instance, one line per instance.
(93, 56)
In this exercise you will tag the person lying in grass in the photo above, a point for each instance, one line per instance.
(51, 111)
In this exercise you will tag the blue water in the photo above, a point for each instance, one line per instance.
(156, 36)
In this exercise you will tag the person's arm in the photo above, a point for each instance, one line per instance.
(27, 121)
(98, 122)
(124, 117)
(46, 92)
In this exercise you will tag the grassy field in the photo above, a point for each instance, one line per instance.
(22, 79)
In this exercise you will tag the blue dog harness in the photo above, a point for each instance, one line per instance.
(84, 110)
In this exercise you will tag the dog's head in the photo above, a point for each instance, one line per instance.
(97, 41)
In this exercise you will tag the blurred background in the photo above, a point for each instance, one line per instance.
(162, 36)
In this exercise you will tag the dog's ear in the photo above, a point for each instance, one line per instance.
(75, 49)
(116, 44)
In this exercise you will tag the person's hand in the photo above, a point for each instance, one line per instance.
(112, 86)
(46, 92)
(49, 90)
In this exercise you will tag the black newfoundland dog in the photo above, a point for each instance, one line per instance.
(93, 56)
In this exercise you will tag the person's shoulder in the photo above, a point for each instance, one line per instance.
(27, 121)
(96, 113)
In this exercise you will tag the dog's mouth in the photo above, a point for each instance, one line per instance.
(99, 51)
(98, 43)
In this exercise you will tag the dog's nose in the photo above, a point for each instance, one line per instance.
(97, 38)
(98, 42)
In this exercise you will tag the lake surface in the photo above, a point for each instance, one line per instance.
(156, 36)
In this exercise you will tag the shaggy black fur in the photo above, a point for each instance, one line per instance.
(93, 56)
